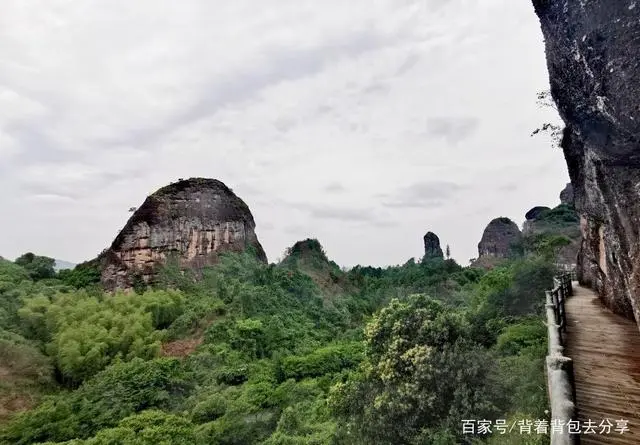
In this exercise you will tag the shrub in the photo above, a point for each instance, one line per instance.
(85, 333)
(38, 267)
(523, 337)
(83, 275)
(115, 393)
(150, 427)
(24, 360)
(326, 360)
(211, 408)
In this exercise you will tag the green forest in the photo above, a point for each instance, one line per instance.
(296, 353)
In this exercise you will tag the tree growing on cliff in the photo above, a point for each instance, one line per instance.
(448, 252)
(545, 100)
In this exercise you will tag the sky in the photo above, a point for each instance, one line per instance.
(362, 123)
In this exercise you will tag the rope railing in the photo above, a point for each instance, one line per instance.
(560, 367)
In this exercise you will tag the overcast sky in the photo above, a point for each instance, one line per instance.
(363, 123)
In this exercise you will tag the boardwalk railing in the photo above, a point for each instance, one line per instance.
(560, 367)
(567, 268)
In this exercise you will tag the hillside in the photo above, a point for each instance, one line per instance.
(254, 353)
(557, 229)
(308, 256)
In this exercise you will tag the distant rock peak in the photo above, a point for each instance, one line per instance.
(306, 249)
(432, 249)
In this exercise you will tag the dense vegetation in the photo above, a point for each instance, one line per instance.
(561, 220)
(296, 353)
(559, 215)
(551, 231)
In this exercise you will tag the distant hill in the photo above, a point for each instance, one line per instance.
(61, 264)
(309, 257)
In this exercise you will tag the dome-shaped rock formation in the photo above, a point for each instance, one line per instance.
(500, 239)
(192, 220)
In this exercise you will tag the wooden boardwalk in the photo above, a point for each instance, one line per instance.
(605, 349)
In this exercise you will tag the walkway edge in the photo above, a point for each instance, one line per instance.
(560, 367)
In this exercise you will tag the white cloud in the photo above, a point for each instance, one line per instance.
(336, 104)
(8, 146)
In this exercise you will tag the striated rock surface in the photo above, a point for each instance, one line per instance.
(566, 195)
(192, 219)
(593, 58)
(432, 249)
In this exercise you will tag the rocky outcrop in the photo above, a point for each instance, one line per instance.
(535, 212)
(566, 195)
(308, 251)
(501, 240)
(545, 224)
(192, 219)
(529, 227)
(308, 257)
(593, 58)
(432, 249)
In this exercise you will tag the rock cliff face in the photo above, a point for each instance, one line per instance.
(566, 195)
(192, 219)
(593, 57)
(432, 249)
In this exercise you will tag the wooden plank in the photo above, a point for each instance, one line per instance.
(605, 349)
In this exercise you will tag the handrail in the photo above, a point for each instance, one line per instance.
(559, 367)
(567, 268)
